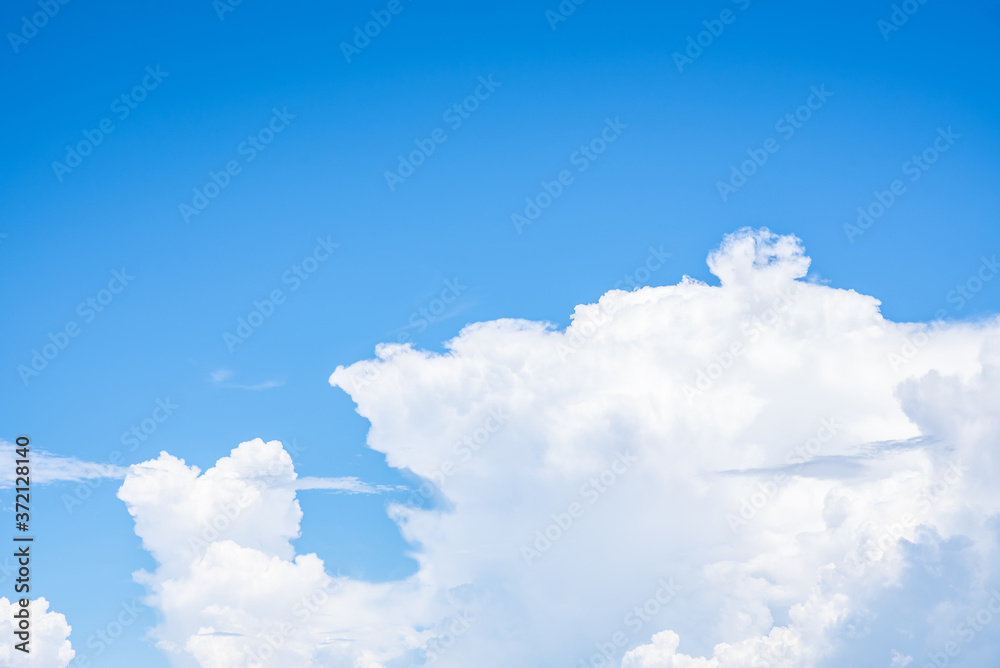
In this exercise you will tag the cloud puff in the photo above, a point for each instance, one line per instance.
(49, 646)
(687, 475)
(229, 585)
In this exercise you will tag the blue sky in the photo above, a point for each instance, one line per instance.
(323, 177)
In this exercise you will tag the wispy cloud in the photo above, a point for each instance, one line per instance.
(222, 375)
(258, 386)
(350, 484)
(48, 468)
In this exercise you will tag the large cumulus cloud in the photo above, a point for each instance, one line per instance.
(688, 475)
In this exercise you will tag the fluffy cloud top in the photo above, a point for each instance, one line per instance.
(687, 476)
(230, 587)
(49, 646)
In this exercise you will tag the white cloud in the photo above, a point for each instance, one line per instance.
(48, 468)
(787, 448)
(348, 484)
(229, 583)
(256, 387)
(900, 660)
(220, 377)
(49, 645)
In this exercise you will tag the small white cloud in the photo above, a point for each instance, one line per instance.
(266, 385)
(900, 660)
(221, 375)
